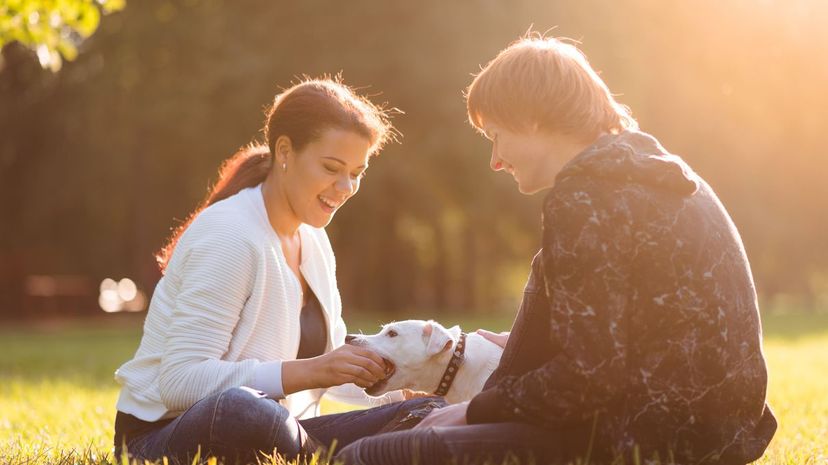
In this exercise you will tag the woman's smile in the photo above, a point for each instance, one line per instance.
(328, 205)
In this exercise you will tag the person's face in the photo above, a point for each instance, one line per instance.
(529, 156)
(325, 174)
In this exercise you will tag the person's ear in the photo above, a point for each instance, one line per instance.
(283, 148)
(439, 339)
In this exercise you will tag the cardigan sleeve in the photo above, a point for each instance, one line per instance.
(215, 277)
(586, 274)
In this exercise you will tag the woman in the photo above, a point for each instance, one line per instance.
(248, 310)
(638, 337)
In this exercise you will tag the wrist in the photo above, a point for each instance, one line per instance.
(298, 375)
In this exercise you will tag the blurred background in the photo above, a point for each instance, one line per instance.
(105, 148)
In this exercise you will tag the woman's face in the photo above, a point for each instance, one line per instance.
(531, 157)
(324, 174)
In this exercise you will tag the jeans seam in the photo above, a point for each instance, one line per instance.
(213, 417)
(272, 436)
(166, 446)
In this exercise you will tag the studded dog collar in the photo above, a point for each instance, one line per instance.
(453, 366)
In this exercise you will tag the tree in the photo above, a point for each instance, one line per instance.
(52, 28)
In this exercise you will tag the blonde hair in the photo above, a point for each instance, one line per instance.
(545, 83)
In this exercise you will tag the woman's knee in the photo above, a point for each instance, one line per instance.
(245, 419)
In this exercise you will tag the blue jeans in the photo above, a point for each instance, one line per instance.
(238, 423)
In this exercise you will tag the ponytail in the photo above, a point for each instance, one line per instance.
(246, 168)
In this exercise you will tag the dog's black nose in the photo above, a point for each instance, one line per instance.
(349, 338)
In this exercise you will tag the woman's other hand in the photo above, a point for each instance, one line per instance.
(498, 338)
(408, 394)
(345, 364)
(453, 415)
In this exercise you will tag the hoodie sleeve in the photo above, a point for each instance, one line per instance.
(586, 271)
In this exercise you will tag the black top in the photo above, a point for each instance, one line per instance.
(313, 337)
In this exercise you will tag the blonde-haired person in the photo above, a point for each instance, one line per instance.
(244, 332)
(638, 336)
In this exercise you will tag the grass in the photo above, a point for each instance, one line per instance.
(57, 395)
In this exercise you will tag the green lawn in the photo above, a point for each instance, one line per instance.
(57, 395)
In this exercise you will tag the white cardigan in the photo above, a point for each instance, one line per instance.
(226, 313)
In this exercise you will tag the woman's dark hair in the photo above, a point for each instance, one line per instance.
(302, 113)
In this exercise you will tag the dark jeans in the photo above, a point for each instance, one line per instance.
(490, 443)
(238, 423)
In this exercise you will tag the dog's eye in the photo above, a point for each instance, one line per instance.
(391, 333)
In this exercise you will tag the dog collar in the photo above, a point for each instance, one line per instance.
(453, 366)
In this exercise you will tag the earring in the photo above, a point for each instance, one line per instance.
(284, 167)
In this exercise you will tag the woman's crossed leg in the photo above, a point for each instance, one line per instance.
(239, 424)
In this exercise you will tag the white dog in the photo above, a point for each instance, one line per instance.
(425, 356)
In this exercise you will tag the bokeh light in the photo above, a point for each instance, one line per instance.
(109, 301)
(123, 295)
(127, 289)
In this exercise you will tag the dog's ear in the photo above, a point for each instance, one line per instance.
(439, 338)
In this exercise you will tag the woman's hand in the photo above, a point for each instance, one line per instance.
(345, 364)
(498, 338)
(453, 415)
(408, 394)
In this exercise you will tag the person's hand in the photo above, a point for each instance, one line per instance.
(453, 415)
(408, 394)
(349, 364)
(345, 364)
(498, 338)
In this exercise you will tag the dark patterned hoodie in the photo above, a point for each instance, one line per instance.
(651, 332)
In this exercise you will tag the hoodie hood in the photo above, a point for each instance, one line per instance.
(632, 157)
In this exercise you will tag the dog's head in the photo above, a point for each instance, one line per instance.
(415, 350)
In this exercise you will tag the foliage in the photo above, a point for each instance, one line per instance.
(52, 28)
